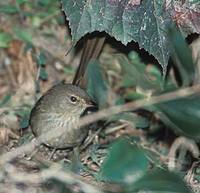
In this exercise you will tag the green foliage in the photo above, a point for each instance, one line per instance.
(5, 39)
(134, 74)
(137, 121)
(158, 181)
(23, 35)
(147, 24)
(24, 114)
(43, 75)
(127, 164)
(26, 138)
(144, 22)
(182, 55)
(41, 61)
(45, 3)
(8, 9)
(96, 85)
(182, 115)
(5, 100)
(122, 20)
(20, 2)
(36, 12)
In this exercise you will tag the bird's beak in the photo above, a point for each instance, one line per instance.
(91, 103)
(91, 106)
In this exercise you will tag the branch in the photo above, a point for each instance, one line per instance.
(104, 114)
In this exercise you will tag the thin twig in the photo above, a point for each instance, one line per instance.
(139, 104)
(106, 113)
(87, 143)
(187, 144)
(55, 171)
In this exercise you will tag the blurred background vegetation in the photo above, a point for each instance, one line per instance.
(34, 40)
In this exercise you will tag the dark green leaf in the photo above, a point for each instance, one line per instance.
(44, 2)
(124, 20)
(43, 74)
(21, 1)
(159, 181)
(125, 163)
(23, 35)
(182, 115)
(24, 122)
(5, 39)
(41, 59)
(24, 115)
(24, 118)
(182, 55)
(8, 9)
(96, 85)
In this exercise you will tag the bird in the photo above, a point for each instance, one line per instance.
(59, 111)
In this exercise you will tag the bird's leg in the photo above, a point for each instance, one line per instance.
(35, 150)
(76, 162)
(32, 154)
(76, 153)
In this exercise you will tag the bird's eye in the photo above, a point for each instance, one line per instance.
(73, 99)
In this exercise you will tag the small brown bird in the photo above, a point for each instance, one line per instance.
(60, 110)
(62, 106)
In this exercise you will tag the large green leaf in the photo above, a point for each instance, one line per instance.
(159, 181)
(124, 20)
(182, 55)
(182, 115)
(128, 165)
(96, 84)
(125, 163)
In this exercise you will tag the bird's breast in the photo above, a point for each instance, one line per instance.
(64, 130)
